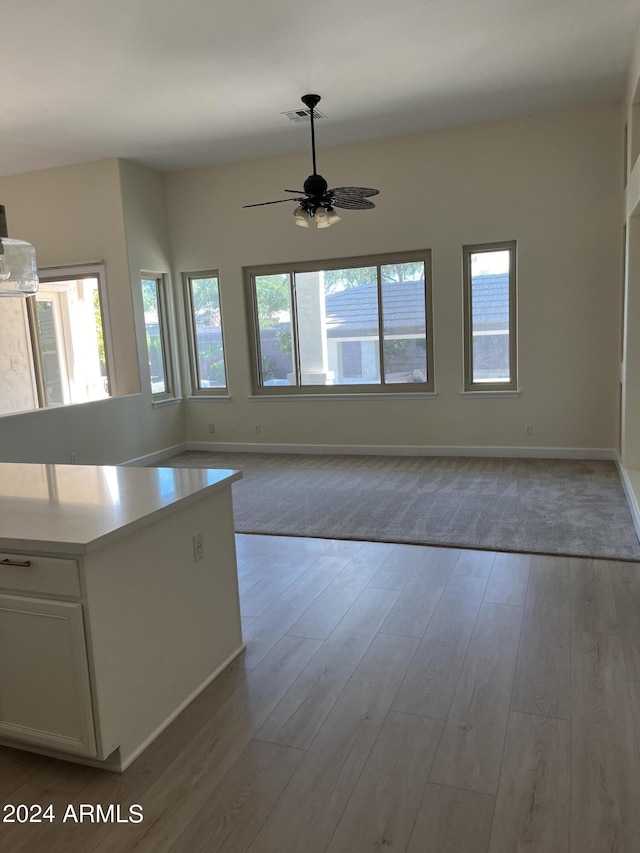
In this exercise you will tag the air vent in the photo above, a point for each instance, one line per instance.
(303, 114)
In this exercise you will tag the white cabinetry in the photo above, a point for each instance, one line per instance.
(45, 697)
(110, 624)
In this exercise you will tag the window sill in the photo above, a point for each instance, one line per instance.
(166, 401)
(418, 395)
(476, 394)
(208, 398)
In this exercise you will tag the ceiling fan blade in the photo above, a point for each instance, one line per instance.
(354, 203)
(354, 192)
(279, 201)
(299, 192)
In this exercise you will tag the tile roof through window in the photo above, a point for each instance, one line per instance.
(356, 308)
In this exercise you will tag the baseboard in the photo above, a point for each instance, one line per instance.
(630, 494)
(110, 763)
(407, 450)
(158, 456)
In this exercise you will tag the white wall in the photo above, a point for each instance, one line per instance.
(148, 250)
(104, 432)
(106, 211)
(73, 215)
(552, 182)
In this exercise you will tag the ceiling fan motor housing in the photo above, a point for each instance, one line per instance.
(315, 185)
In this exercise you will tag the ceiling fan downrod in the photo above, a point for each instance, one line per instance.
(315, 185)
(311, 101)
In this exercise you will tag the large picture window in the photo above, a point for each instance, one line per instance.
(489, 275)
(356, 325)
(204, 328)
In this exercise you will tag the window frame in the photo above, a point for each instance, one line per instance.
(164, 332)
(382, 388)
(64, 273)
(192, 340)
(471, 386)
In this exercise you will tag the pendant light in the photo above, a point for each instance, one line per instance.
(18, 269)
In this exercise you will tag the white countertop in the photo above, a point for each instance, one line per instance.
(75, 509)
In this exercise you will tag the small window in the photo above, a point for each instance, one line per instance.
(156, 325)
(356, 325)
(66, 320)
(204, 328)
(490, 317)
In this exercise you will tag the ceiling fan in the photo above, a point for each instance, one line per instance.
(317, 203)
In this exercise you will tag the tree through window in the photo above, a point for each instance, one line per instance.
(356, 325)
(204, 326)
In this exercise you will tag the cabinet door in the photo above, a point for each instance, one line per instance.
(45, 698)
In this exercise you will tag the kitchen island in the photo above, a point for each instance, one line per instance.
(118, 603)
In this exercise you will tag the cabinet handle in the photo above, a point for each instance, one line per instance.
(8, 562)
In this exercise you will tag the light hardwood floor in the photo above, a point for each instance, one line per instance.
(392, 697)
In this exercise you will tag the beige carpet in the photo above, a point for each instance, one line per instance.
(550, 506)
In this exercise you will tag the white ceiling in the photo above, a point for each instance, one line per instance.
(187, 83)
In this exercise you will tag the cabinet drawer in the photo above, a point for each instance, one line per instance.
(43, 574)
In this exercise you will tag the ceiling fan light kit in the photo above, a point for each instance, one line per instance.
(301, 217)
(316, 202)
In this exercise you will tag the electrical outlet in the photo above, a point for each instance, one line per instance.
(212, 427)
(256, 427)
(528, 429)
(198, 547)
